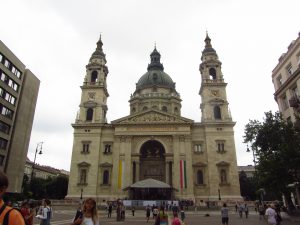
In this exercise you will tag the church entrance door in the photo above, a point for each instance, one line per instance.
(152, 159)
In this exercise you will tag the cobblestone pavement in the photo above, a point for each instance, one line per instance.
(64, 217)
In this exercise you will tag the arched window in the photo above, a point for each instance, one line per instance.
(94, 76)
(217, 112)
(105, 177)
(145, 108)
(200, 177)
(133, 110)
(176, 110)
(213, 73)
(89, 114)
(164, 108)
(223, 176)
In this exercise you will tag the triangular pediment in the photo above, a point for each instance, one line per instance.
(106, 164)
(152, 116)
(223, 163)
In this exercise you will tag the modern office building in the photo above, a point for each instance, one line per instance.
(18, 96)
(154, 152)
(286, 80)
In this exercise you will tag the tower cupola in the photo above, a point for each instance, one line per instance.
(208, 46)
(98, 53)
(155, 63)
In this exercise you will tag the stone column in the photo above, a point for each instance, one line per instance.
(167, 172)
(137, 167)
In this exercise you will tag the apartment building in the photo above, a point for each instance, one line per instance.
(286, 80)
(18, 96)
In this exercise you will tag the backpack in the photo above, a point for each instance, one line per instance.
(176, 221)
(6, 217)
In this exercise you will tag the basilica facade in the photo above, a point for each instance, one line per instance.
(154, 147)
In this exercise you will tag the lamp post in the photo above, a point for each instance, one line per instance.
(81, 194)
(254, 161)
(38, 148)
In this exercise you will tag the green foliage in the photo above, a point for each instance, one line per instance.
(276, 146)
(248, 187)
(52, 187)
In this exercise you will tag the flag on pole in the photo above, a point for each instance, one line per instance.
(183, 178)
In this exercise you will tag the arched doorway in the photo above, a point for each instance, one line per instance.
(152, 159)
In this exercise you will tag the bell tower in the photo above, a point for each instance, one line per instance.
(93, 105)
(214, 104)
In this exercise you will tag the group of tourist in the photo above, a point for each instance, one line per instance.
(271, 212)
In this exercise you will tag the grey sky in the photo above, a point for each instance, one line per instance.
(55, 40)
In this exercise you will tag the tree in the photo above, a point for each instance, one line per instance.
(57, 187)
(276, 146)
(39, 188)
(247, 186)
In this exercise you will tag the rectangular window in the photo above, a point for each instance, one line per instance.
(2, 157)
(3, 76)
(1, 58)
(220, 146)
(5, 128)
(6, 63)
(290, 70)
(107, 148)
(13, 85)
(3, 143)
(284, 102)
(198, 148)
(6, 112)
(279, 80)
(295, 92)
(18, 74)
(11, 99)
(1, 92)
(85, 147)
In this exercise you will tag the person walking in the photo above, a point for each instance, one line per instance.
(182, 214)
(162, 218)
(109, 210)
(27, 213)
(246, 209)
(225, 214)
(148, 211)
(155, 212)
(8, 215)
(261, 211)
(241, 209)
(271, 215)
(132, 210)
(45, 215)
(90, 215)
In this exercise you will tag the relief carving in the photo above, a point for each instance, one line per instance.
(152, 117)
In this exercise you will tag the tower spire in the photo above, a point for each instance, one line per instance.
(98, 53)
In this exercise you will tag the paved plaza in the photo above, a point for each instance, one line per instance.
(64, 217)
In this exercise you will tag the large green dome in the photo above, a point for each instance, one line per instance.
(155, 78)
(155, 75)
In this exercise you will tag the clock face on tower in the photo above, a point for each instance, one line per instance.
(215, 93)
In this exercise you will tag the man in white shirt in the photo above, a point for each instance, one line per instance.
(271, 214)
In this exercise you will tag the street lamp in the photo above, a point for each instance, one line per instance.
(254, 161)
(81, 194)
(38, 149)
